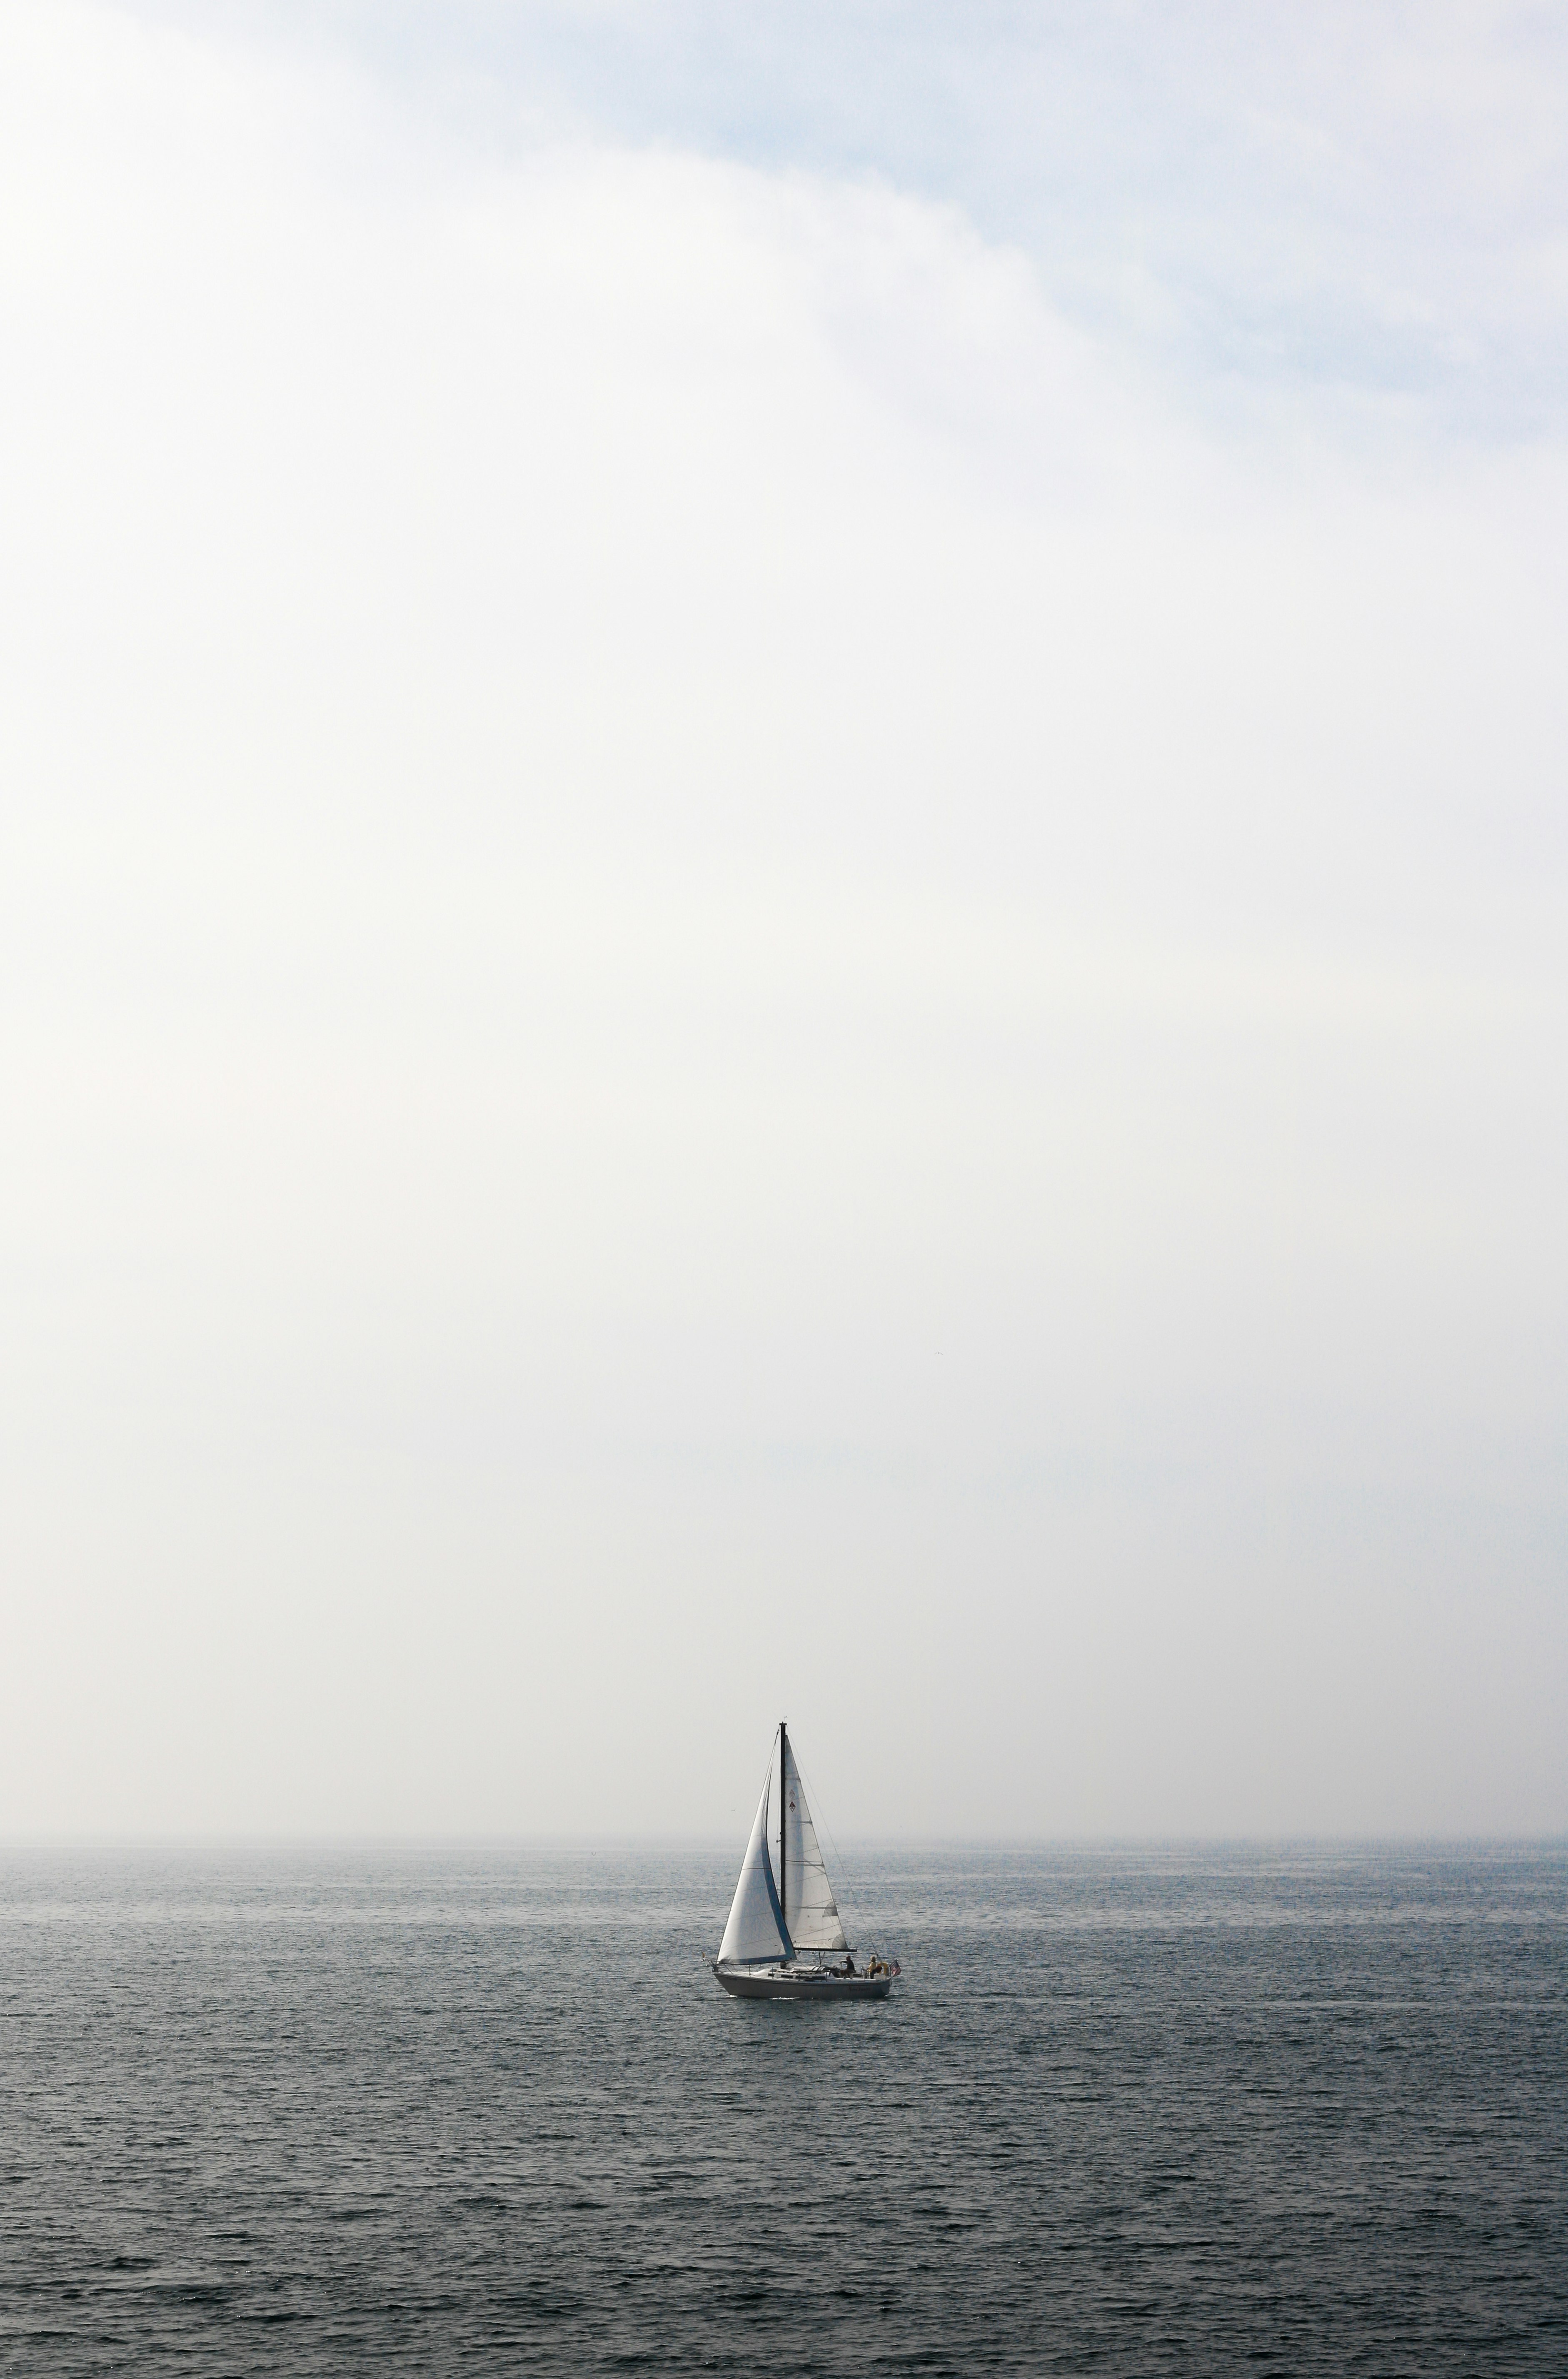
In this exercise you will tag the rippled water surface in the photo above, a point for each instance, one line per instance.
(488, 2110)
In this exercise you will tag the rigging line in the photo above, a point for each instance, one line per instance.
(767, 1772)
(840, 1861)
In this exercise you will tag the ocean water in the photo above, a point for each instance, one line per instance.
(487, 2110)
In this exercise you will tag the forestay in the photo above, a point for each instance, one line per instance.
(755, 1931)
(811, 1914)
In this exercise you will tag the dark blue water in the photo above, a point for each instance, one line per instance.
(487, 2111)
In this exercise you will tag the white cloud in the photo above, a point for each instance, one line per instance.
(638, 794)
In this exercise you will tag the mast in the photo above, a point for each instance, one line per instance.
(783, 1878)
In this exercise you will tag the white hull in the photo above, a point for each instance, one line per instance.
(800, 1983)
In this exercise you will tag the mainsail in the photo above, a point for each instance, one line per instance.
(757, 1929)
(811, 1914)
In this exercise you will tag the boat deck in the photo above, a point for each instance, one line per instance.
(800, 1983)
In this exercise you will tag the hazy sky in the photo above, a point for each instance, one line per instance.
(783, 916)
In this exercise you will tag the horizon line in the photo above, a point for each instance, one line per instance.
(474, 1838)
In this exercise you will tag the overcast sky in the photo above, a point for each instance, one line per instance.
(783, 917)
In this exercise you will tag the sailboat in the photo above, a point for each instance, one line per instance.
(774, 1928)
